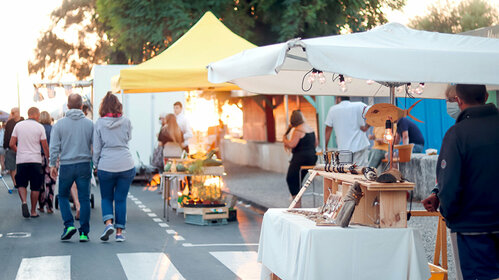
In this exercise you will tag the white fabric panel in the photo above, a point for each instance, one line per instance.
(389, 53)
(293, 247)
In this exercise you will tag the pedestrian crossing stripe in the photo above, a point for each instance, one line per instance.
(143, 265)
(157, 266)
(53, 267)
(243, 263)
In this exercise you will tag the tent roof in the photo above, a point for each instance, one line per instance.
(388, 53)
(182, 66)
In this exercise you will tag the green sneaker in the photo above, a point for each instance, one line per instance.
(84, 237)
(68, 233)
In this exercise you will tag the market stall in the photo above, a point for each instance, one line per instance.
(182, 67)
(390, 60)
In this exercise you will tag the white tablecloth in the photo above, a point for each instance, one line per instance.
(293, 247)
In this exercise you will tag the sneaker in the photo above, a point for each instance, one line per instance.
(84, 237)
(120, 238)
(107, 232)
(68, 233)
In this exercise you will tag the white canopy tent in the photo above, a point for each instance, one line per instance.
(392, 54)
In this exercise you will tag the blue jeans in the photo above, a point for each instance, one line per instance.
(418, 148)
(80, 173)
(114, 186)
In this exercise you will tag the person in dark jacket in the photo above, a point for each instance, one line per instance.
(468, 191)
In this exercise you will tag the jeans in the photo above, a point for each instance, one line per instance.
(418, 148)
(80, 173)
(114, 186)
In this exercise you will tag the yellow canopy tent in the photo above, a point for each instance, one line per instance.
(182, 66)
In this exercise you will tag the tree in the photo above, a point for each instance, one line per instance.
(446, 18)
(74, 42)
(142, 29)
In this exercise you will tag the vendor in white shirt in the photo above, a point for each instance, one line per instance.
(183, 123)
(346, 119)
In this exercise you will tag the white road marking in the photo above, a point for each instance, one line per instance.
(141, 206)
(133, 198)
(163, 225)
(18, 234)
(54, 268)
(147, 210)
(1, 235)
(243, 263)
(178, 237)
(138, 202)
(219, 244)
(151, 215)
(138, 266)
(171, 231)
(157, 220)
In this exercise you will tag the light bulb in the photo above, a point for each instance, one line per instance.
(322, 78)
(370, 82)
(388, 131)
(343, 87)
(312, 77)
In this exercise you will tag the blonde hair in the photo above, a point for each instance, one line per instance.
(45, 118)
(173, 129)
(450, 92)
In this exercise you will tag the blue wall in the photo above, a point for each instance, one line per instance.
(434, 115)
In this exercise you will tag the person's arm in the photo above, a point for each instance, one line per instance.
(97, 147)
(328, 135)
(55, 151)
(54, 146)
(13, 143)
(405, 137)
(448, 176)
(365, 127)
(45, 147)
(295, 138)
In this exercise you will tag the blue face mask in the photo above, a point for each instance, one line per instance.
(453, 109)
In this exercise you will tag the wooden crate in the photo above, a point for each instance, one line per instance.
(208, 213)
(383, 205)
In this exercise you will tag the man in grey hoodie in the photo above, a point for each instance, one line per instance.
(71, 143)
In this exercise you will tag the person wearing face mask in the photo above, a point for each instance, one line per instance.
(467, 185)
(451, 102)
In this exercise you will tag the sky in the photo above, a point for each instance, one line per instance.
(23, 21)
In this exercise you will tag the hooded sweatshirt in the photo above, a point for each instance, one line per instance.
(111, 137)
(71, 139)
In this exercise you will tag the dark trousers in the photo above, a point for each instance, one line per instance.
(293, 176)
(479, 255)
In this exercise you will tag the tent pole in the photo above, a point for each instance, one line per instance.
(390, 144)
(286, 109)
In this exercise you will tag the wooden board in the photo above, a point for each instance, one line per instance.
(371, 185)
(393, 209)
(208, 213)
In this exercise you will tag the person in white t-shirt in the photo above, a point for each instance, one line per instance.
(183, 123)
(25, 141)
(347, 120)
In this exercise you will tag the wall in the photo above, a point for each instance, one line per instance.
(254, 124)
(267, 156)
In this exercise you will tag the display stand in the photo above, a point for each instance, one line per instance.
(168, 177)
(383, 205)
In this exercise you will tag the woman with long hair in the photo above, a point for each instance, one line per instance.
(115, 165)
(46, 197)
(302, 144)
(171, 138)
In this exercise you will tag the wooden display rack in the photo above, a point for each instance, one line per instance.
(383, 205)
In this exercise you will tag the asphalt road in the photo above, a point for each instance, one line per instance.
(31, 249)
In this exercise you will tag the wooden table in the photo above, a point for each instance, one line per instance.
(383, 205)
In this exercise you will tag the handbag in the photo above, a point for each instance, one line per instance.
(157, 157)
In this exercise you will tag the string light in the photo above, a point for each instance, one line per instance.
(388, 131)
(342, 83)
